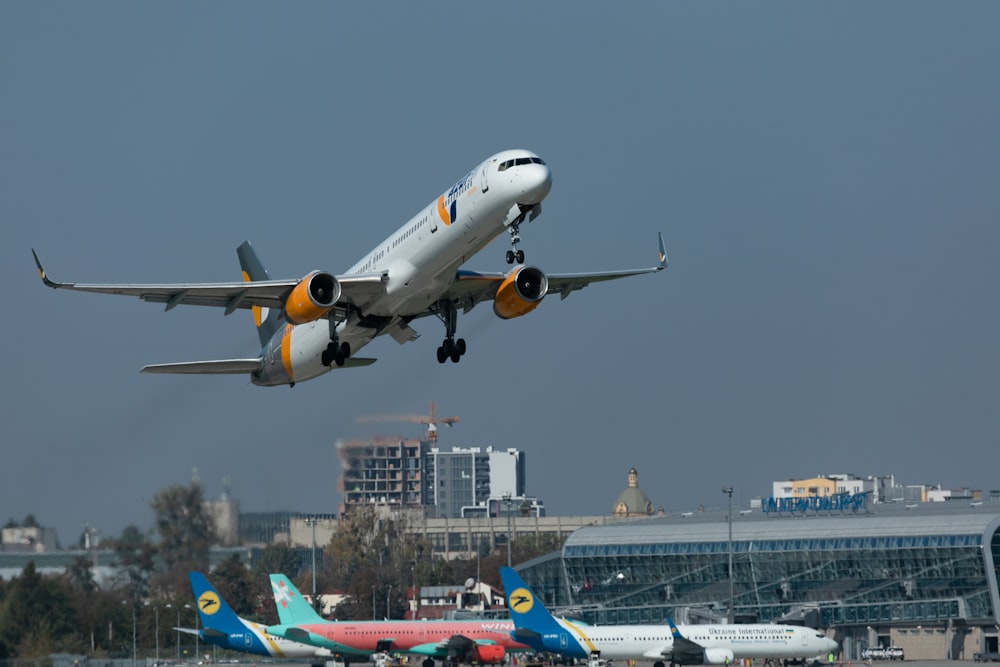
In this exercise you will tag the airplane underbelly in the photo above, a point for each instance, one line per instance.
(295, 353)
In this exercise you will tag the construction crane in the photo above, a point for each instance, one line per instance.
(430, 419)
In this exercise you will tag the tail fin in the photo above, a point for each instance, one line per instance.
(292, 607)
(268, 320)
(532, 620)
(216, 616)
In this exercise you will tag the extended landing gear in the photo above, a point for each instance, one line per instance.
(515, 255)
(336, 353)
(450, 348)
(519, 213)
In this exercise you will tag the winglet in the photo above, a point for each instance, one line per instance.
(41, 272)
(664, 260)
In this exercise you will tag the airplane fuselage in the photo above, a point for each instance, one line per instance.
(417, 263)
(656, 641)
(422, 637)
(255, 639)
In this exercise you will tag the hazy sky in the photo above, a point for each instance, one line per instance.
(825, 175)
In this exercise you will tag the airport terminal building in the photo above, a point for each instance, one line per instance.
(922, 576)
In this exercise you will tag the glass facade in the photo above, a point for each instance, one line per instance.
(890, 571)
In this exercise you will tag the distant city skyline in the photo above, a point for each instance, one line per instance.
(740, 500)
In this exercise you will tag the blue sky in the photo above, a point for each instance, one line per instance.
(824, 174)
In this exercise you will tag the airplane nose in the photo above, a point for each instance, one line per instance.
(536, 181)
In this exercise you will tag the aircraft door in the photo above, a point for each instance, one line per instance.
(484, 183)
(563, 640)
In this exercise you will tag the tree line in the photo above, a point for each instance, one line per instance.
(373, 559)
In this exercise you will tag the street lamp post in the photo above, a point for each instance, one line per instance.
(177, 629)
(413, 591)
(156, 615)
(133, 604)
(728, 490)
(197, 627)
(506, 506)
(373, 602)
(312, 521)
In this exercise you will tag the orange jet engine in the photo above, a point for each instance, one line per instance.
(312, 298)
(520, 292)
(487, 654)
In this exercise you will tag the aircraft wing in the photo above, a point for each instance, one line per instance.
(356, 290)
(297, 634)
(658, 653)
(473, 287)
(450, 646)
(684, 650)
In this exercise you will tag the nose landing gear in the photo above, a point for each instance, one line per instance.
(518, 214)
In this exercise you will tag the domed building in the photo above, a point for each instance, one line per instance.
(632, 501)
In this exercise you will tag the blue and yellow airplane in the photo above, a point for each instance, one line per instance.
(680, 645)
(222, 627)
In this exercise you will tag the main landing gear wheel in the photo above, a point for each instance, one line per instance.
(451, 349)
(515, 256)
(335, 353)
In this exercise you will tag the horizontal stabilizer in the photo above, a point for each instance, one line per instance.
(355, 362)
(214, 367)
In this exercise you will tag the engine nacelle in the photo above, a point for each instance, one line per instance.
(312, 298)
(718, 656)
(520, 292)
(487, 654)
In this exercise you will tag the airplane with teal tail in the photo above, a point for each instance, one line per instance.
(481, 642)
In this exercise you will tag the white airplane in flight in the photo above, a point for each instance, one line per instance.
(694, 645)
(309, 325)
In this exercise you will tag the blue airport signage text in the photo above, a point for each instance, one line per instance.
(841, 502)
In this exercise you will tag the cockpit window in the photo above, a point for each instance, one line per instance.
(518, 161)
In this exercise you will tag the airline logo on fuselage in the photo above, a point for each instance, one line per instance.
(521, 601)
(447, 204)
(208, 603)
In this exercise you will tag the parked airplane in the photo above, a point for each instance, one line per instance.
(684, 645)
(484, 642)
(307, 326)
(221, 626)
